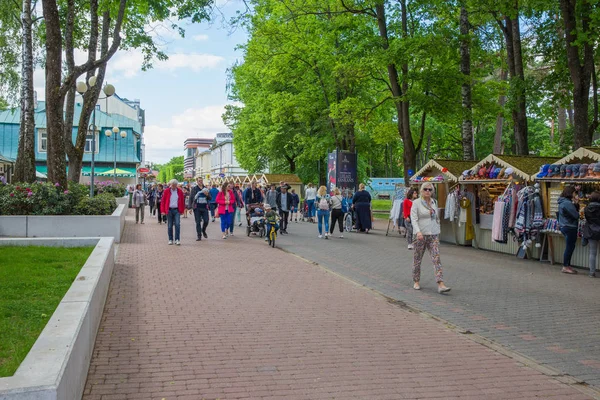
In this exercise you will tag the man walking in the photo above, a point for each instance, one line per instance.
(310, 195)
(173, 205)
(284, 203)
(253, 195)
(271, 197)
(199, 202)
(213, 200)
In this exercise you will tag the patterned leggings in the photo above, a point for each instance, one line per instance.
(431, 243)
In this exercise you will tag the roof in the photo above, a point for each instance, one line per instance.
(103, 120)
(276, 178)
(590, 154)
(454, 168)
(6, 159)
(524, 166)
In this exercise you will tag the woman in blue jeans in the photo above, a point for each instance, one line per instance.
(568, 220)
(323, 205)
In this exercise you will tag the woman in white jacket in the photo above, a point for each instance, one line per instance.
(425, 219)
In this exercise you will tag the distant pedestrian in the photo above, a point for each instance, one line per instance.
(236, 210)
(139, 202)
(284, 203)
(239, 204)
(225, 200)
(158, 198)
(310, 196)
(568, 220)
(295, 204)
(213, 200)
(253, 195)
(337, 215)
(2, 178)
(323, 205)
(173, 205)
(151, 196)
(362, 205)
(591, 232)
(199, 199)
(186, 193)
(425, 220)
(271, 197)
(411, 196)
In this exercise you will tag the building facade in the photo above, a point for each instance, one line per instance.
(128, 151)
(191, 148)
(223, 159)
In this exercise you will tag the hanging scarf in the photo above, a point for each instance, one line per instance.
(432, 211)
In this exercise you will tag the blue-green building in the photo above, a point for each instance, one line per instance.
(129, 150)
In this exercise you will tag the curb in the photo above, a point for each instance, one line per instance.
(555, 374)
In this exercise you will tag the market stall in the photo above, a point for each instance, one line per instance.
(507, 203)
(582, 169)
(444, 174)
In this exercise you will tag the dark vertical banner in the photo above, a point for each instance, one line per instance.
(331, 171)
(347, 177)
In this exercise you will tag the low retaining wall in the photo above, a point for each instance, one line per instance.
(56, 367)
(65, 225)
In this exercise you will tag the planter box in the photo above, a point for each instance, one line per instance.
(56, 367)
(65, 225)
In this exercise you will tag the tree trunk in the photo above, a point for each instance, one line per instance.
(25, 163)
(465, 69)
(54, 100)
(409, 159)
(580, 70)
(500, 117)
(519, 80)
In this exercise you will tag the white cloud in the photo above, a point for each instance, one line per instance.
(195, 62)
(200, 38)
(163, 143)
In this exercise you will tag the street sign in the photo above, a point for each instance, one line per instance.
(221, 175)
(143, 170)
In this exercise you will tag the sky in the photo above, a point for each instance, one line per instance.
(184, 96)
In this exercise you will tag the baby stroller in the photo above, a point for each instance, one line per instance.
(304, 211)
(256, 220)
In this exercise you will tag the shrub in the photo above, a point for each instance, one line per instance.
(47, 199)
(117, 189)
(102, 204)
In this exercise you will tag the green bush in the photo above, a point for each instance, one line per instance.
(49, 199)
(102, 204)
(117, 189)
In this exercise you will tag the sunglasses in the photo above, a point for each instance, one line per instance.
(427, 189)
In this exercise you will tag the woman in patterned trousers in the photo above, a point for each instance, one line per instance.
(425, 219)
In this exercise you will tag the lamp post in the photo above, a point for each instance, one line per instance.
(109, 90)
(123, 135)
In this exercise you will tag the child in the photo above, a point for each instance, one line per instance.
(272, 218)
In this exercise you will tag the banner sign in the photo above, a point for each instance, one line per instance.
(341, 171)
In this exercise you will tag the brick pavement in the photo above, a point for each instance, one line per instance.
(526, 306)
(235, 319)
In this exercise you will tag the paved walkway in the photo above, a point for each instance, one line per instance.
(526, 306)
(235, 319)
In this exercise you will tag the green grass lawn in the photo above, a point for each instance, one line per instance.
(381, 204)
(33, 280)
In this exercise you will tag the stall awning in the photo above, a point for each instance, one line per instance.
(451, 170)
(591, 154)
(103, 171)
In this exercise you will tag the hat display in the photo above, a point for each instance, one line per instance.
(543, 171)
(583, 170)
(509, 171)
(569, 171)
(563, 171)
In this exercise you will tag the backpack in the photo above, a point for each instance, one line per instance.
(344, 205)
(324, 203)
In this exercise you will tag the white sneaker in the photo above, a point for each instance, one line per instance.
(320, 236)
(177, 242)
(266, 239)
(341, 236)
(170, 242)
(410, 247)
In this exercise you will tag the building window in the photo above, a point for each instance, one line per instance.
(88, 142)
(42, 141)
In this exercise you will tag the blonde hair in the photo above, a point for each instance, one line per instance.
(322, 191)
(336, 191)
(427, 185)
(361, 186)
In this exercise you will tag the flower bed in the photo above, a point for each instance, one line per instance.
(52, 199)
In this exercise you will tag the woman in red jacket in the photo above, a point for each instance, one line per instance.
(225, 202)
(406, 206)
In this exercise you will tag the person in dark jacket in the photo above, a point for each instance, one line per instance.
(200, 203)
(361, 202)
(252, 196)
(158, 198)
(591, 232)
(214, 191)
(568, 220)
(284, 205)
(295, 204)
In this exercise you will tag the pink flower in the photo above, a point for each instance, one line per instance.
(12, 195)
(66, 192)
(57, 184)
(29, 194)
(18, 188)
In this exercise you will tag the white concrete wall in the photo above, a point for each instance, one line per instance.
(65, 225)
(56, 367)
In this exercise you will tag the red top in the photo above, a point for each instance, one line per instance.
(406, 206)
(166, 199)
(221, 202)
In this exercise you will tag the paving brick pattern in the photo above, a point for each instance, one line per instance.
(235, 319)
(527, 306)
